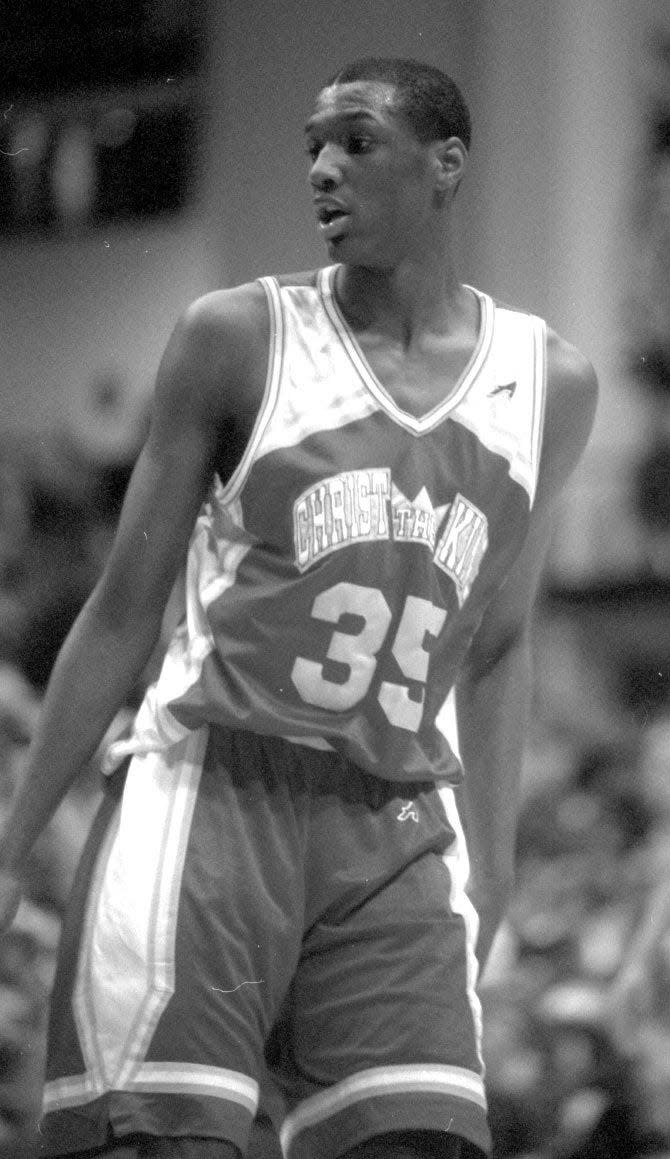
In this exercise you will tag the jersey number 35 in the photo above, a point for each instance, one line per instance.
(358, 651)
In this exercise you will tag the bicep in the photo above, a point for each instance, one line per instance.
(571, 403)
(572, 396)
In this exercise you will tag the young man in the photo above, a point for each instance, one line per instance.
(361, 461)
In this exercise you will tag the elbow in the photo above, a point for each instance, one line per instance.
(117, 610)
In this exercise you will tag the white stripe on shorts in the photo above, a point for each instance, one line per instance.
(163, 1078)
(458, 863)
(452, 1081)
(126, 967)
(178, 1078)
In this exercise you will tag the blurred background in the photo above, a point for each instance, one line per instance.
(151, 150)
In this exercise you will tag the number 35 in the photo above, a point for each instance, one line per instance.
(358, 652)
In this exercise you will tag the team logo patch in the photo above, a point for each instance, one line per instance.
(462, 545)
(364, 506)
(415, 520)
(348, 508)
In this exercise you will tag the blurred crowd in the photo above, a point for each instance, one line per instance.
(60, 497)
(569, 1076)
(570, 1073)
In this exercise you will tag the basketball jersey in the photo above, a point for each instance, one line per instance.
(335, 581)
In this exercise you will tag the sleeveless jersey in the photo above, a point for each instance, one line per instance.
(335, 581)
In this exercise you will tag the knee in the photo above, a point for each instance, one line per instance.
(408, 1145)
(186, 1147)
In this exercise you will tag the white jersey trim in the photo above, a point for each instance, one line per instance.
(418, 425)
(540, 399)
(276, 347)
(298, 412)
(511, 425)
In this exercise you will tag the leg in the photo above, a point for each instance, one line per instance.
(408, 1145)
(112, 1151)
(264, 1140)
(157, 1147)
(382, 1029)
(182, 955)
(186, 1147)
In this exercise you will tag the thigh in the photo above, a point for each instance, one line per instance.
(186, 1147)
(65, 1051)
(192, 925)
(408, 1145)
(161, 1147)
(384, 1024)
(389, 986)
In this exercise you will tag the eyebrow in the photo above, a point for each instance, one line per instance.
(343, 115)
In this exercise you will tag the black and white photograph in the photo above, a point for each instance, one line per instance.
(335, 579)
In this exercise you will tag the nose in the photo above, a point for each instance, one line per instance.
(326, 170)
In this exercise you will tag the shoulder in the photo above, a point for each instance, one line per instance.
(568, 369)
(216, 359)
(570, 407)
(571, 400)
(234, 324)
(226, 322)
(215, 365)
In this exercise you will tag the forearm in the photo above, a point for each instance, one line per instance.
(113, 637)
(492, 712)
(93, 675)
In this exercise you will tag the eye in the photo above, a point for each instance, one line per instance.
(312, 149)
(358, 143)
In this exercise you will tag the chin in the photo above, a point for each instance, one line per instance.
(341, 250)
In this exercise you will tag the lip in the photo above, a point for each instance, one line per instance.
(330, 226)
(335, 228)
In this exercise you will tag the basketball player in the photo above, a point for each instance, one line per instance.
(360, 462)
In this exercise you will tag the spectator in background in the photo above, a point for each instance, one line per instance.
(60, 496)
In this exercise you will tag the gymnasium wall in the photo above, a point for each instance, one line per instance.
(558, 93)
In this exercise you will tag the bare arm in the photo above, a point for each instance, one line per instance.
(197, 388)
(493, 695)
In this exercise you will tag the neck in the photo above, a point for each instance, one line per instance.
(405, 302)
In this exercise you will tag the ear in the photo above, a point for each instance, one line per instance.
(450, 158)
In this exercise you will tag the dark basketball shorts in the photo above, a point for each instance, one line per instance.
(255, 922)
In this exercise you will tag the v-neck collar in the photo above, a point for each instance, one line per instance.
(422, 423)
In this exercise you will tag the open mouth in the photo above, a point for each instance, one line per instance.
(328, 215)
(331, 220)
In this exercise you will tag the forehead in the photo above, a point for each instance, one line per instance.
(372, 99)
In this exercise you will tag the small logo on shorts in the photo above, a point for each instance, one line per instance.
(408, 813)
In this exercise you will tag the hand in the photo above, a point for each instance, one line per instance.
(10, 898)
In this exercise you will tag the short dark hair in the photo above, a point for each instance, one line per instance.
(429, 100)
